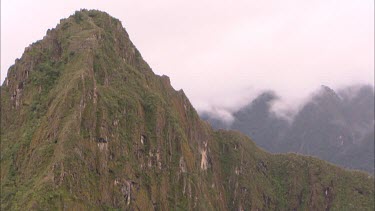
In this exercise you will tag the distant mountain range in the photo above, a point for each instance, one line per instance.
(334, 126)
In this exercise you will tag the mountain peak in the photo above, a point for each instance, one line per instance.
(327, 94)
(87, 125)
(327, 89)
(93, 41)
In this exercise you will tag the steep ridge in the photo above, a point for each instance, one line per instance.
(87, 125)
(259, 123)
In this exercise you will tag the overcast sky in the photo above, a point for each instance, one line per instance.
(224, 52)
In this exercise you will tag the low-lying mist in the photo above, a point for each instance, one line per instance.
(283, 106)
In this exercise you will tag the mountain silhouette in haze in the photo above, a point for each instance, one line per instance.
(334, 126)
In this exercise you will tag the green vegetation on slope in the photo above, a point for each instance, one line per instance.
(86, 125)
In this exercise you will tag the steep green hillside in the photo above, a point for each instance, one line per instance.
(87, 125)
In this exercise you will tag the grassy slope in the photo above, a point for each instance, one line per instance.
(88, 83)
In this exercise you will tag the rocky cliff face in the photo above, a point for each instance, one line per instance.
(87, 125)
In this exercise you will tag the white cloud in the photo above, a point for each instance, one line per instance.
(223, 52)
